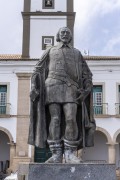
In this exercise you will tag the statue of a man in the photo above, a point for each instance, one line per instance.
(61, 101)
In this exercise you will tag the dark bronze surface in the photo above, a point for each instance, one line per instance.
(61, 100)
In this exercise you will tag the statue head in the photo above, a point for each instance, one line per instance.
(64, 35)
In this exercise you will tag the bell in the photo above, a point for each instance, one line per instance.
(48, 3)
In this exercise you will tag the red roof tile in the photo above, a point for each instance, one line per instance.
(10, 56)
(96, 58)
(15, 57)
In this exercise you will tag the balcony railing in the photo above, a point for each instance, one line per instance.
(5, 108)
(117, 108)
(101, 108)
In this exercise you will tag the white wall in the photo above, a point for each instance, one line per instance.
(101, 74)
(110, 80)
(60, 5)
(111, 125)
(11, 79)
(107, 73)
(99, 151)
(44, 26)
(8, 70)
(9, 124)
(118, 151)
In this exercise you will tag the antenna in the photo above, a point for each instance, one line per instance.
(86, 52)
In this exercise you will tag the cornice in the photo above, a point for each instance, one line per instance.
(18, 60)
(41, 13)
(98, 58)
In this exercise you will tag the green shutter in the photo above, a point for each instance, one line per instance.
(97, 99)
(3, 88)
(3, 99)
(119, 99)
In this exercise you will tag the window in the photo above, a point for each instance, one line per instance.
(119, 99)
(48, 4)
(47, 41)
(117, 105)
(98, 99)
(119, 93)
(3, 99)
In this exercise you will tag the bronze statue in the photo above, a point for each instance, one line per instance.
(61, 101)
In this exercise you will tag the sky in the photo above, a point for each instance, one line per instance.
(96, 29)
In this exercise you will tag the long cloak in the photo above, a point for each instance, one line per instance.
(39, 116)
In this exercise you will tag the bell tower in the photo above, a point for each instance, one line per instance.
(41, 21)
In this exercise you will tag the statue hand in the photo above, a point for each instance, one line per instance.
(34, 94)
(83, 94)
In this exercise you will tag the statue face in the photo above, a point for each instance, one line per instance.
(65, 35)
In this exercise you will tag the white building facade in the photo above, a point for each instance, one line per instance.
(106, 98)
(41, 21)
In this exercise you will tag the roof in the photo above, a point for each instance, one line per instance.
(10, 56)
(16, 57)
(96, 58)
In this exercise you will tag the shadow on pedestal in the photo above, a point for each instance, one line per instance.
(35, 171)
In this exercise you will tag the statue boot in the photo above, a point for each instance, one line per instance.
(70, 152)
(56, 149)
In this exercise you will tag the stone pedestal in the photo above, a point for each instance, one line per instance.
(35, 171)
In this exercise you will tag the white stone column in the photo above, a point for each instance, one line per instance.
(12, 153)
(111, 153)
(23, 113)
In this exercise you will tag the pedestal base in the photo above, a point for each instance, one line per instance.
(35, 171)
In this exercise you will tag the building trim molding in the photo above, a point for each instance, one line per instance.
(27, 5)
(105, 58)
(40, 13)
(26, 30)
(12, 57)
(26, 37)
(23, 75)
(70, 6)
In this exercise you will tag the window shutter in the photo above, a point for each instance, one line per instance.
(98, 99)
(3, 99)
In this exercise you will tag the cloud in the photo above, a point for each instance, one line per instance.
(96, 26)
(112, 45)
(96, 23)
(108, 6)
(11, 26)
(89, 10)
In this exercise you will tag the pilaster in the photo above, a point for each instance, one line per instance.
(12, 153)
(22, 147)
(26, 30)
(111, 154)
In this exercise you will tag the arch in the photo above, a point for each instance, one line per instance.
(115, 135)
(109, 139)
(8, 133)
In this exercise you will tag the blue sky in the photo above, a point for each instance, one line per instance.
(97, 26)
